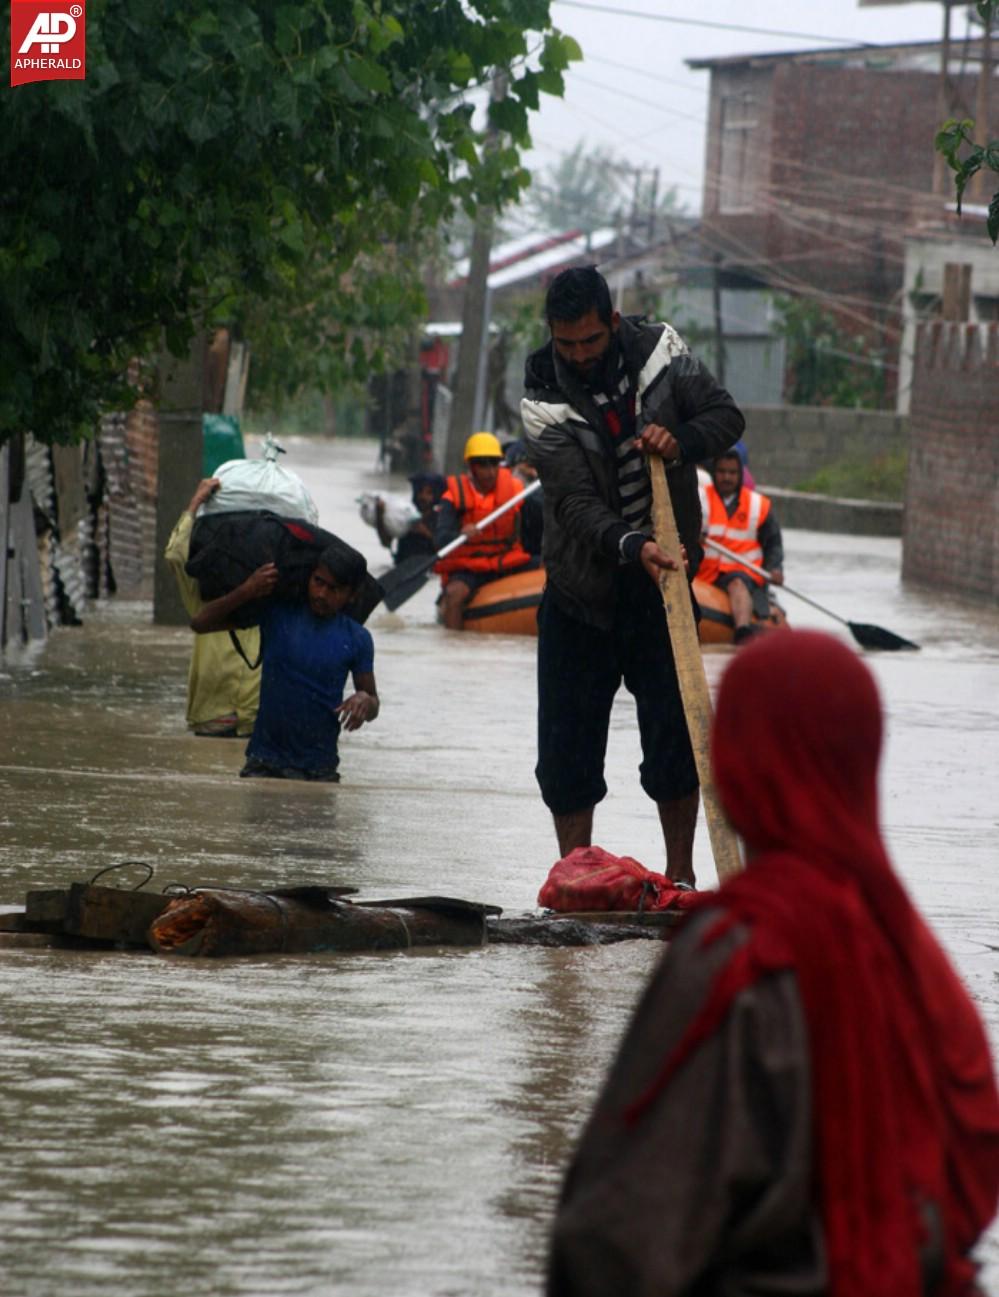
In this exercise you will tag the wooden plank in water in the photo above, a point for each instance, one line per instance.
(46, 906)
(441, 903)
(649, 919)
(112, 913)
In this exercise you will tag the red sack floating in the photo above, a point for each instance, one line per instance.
(590, 878)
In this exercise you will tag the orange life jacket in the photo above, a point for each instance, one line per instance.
(738, 533)
(498, 547)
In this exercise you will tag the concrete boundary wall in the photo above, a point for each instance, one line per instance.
(833, 513)
(788, 443)
(951, 534)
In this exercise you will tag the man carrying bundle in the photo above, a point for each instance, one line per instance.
(308, 650)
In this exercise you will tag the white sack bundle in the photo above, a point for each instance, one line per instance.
(400, 512)
(253, 484)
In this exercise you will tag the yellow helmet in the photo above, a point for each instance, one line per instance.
(483, 445)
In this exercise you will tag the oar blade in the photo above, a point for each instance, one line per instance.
(876, 637)
(401, 583)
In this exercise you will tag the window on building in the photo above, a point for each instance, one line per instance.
(925, 306)
(739, 163)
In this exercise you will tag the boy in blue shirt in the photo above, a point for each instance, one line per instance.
(308, 650)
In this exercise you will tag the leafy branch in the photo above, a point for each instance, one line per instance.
(955, 135)
(268, 166)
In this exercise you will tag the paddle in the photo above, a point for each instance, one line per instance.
(402, 582)
(867, 636)
(690, 672)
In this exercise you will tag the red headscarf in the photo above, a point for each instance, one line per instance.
(904, 1098)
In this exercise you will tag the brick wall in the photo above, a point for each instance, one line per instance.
(788, 443)
(842, 165)
(951, 532)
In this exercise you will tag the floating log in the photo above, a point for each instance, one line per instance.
(311, 919)
(222, 922)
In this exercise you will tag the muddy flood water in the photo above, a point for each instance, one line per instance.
(392, 1123)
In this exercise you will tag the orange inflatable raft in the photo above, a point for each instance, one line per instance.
(509, 606)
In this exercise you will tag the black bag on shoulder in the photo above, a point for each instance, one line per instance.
(227, 547)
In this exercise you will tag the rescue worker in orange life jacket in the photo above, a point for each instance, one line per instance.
(743, 521)
(489, 552)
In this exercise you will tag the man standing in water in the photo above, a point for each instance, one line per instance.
(603, 393)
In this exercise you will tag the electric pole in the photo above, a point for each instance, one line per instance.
(466, 405)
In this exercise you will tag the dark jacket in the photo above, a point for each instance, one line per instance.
(571, 446)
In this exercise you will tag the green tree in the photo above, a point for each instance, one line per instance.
(955, 135)
(825, 366)
(268, 164)
(591, 189)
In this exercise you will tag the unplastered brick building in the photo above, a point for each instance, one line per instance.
(818, 164)
(951, 533)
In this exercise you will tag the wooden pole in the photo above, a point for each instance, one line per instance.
(690, 673)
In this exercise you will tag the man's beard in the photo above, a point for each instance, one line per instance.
(602, 372)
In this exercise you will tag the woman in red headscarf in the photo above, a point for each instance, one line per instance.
(804, 1102)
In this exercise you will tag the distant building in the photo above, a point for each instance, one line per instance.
(819, 163)
(951, 272)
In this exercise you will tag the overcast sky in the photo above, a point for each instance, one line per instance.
(634, 93)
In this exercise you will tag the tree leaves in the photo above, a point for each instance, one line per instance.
(259, 163)
(950, 139)
(370, 76)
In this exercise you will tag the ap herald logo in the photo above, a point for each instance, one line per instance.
(46, 43)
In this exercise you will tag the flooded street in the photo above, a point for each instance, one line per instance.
(369, 1124)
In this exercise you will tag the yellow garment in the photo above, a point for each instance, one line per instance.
(219, 682)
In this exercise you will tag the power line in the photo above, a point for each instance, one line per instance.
(772, 199)
(690, 86)
(800, 287)
(876, 186)
(638, 99)
(703, 22)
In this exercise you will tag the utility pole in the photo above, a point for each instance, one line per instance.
(466, 404)
(980, 181)
(653, 200)
(716, 300)
(944, 97)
